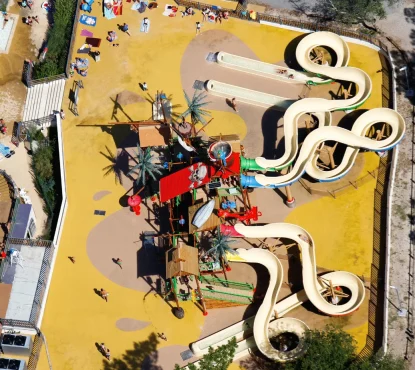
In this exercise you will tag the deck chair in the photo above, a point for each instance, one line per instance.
(86, 8)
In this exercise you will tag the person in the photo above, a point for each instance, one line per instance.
(29, 21)
(5, 19)
(124, 28)
(218, 17)
(36, 19)
(233, 104)
(104, 294)
(163, 336)
(108, 354)
(225, 15)
(102, 348)
(118, 261)
(145, 22)
(62, 114)
(205, 13)
(29, 4)
(335, 299)
(145, 88)
(180, 156)
(84, 72)
(72, 69)
(182, 221)
(291, 76)
(198, 26)
(23, 4)
(3, 254)
(112, 36)
(3, 127)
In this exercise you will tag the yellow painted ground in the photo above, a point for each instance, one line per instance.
(342, 228)
(75, 318)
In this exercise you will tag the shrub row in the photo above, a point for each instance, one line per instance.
(59, 38)
(46, 176)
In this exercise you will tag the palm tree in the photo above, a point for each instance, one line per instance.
(145, 166)
(194, 108)
(115, 165)
(220, 247)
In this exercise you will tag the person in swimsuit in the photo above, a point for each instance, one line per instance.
(5, 19)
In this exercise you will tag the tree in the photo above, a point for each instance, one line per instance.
(217, 359)
(145, 166)
(115, 165)
(194, 108)
(329, 349)
(352, 11)
(220, 247)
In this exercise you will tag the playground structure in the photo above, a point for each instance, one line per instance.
(203, 168)
(321, 291)
(336, 293)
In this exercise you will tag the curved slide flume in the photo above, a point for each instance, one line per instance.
(313, 287)
(322, 108)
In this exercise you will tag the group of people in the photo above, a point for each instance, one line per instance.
(210, 15)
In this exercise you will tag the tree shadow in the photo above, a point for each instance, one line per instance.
(122, 135)
(118, 165)
(143, 356)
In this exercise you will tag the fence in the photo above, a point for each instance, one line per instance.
(225, 283)
(224, 296)
(305, 25)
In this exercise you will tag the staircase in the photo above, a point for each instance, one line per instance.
(44, 99)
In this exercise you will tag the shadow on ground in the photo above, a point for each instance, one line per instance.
(143, 356)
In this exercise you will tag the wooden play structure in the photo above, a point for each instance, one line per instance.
(182, 266)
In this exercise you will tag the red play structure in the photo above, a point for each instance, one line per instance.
(251, 214)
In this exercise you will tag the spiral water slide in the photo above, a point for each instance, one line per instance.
(354, 139)
(260, 325)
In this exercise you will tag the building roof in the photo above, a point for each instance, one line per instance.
(22, 221)
(181, 261)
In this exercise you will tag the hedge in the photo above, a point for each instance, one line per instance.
(59, 38)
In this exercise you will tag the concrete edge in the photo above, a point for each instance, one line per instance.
(390, 194)
(61, 219)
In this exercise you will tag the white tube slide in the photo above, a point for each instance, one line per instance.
(268, 70)
(313, 287)
(307, 161)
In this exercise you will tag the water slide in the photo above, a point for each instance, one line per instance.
(259, 325)
(268, 70)
(354, 139)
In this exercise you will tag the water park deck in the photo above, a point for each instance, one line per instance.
(169, 58)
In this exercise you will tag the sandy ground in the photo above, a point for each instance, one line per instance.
(25, 44)
(18, 167)
(95, 240)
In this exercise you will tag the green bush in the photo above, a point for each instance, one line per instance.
(59, 38)
(46, 177)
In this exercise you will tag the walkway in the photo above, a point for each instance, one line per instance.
(44, 99)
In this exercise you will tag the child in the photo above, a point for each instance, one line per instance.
(112, 36)
(198, 26)
(29, 21)
(124, 28)
(145, 86)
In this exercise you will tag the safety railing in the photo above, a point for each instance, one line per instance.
(225, 296)
(225, 283)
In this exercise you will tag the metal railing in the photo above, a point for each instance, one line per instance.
(225, 296)
(72, 43)
(225, 283)
(305, 25)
